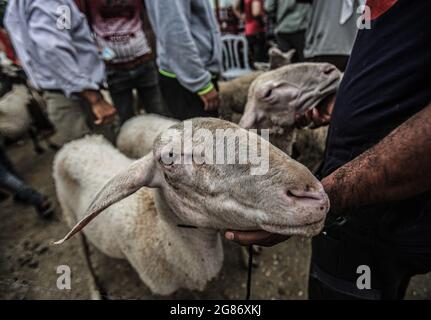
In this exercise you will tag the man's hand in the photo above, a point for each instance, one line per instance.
(211, 100)
(317, 117)
(261, 238)
(102, 110)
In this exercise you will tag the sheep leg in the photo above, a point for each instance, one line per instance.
(95, 292)
(36, 145)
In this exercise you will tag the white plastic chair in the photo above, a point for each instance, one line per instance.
(233, 65)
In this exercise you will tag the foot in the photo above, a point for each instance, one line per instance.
(41, 203)
(45, 209)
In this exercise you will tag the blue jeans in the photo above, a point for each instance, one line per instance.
(144, 78)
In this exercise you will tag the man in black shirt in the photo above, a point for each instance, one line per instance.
(377, 170)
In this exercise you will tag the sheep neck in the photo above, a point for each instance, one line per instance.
(199, 250)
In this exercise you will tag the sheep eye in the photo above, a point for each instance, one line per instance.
(168, 159)
(268, 93)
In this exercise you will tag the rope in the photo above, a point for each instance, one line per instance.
(249, 271)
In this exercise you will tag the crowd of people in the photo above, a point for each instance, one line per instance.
(319, 31)
(169, 52)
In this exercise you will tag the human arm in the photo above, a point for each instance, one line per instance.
(60, 58)
(397, 168)
(172, 25)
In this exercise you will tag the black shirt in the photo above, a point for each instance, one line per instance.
(387, 81)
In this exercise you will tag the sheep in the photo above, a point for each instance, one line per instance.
(14, 116)
(21, 114)
(275, 97)
(137, 135)
(233, 93)
(145, 202)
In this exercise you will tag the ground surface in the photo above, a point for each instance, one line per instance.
(28, 263)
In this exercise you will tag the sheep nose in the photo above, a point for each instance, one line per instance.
(309, 196)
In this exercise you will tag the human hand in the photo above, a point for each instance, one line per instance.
(317, 117)
(260, 237)
(103, 111)
(211, 100)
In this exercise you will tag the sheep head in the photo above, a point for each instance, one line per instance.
(216, 193)
(275, 97)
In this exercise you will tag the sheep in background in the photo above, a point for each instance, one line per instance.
(21, 114)
(142, 225)
(233, 94)
(137, 135)
(275, 97)
(14, 116)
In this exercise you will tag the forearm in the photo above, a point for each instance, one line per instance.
(91, 96)
(397, 168)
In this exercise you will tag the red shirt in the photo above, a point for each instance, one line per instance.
(253, 25)
(7, 45)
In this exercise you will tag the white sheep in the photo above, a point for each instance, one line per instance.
(142, 224)
(15, 120)
(277, 96)
(233, 93)
(137, 135)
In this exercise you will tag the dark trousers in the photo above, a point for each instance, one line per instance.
(294, 40)
(257, 47)
(144, 79)
(183, 104)
(337, 254)
(11, 182)
(340, 61)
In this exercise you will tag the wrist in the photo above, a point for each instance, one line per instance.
(208, 88)
(91, 96)
(334, 195)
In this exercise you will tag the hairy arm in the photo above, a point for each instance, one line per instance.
(397, 168)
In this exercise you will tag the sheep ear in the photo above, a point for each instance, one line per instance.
(248, 119)
(140, 174)
(279, 59)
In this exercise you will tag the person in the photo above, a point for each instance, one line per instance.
(11, 182)
(124, 36)
(377, 168)
(291, 19)
(188, 55)
(252, 12)
(62, 61)
(226, 16)
(332, 31)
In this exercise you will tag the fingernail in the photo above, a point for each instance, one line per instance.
(229, 235)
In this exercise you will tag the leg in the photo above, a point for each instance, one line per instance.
(123, 102)
(121, 85)
(147, 83)
(288, 41)
(260, 52)
(68, 117)
(181, 103)
(22, 192)
(283, 42)
(151, 99)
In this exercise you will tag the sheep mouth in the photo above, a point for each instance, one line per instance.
(307, 229)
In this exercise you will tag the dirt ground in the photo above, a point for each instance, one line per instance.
(28, 263)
